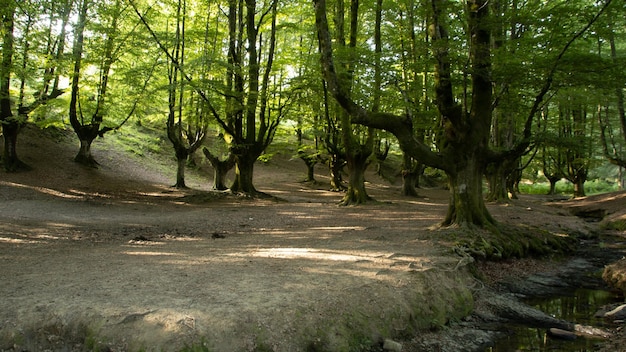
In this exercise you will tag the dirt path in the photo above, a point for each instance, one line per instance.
(237, 273)
(112, 259)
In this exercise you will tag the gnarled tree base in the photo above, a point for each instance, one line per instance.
(509, 241)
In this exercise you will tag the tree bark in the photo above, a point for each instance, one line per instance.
(336, 164)
(86, 134)
(410, 176)
(220, 169)
(182, 155)
(310, 161)
(10, 124)
(244, 175)
(467, 207)
(357, 164)
(497, 181)
(553, 181)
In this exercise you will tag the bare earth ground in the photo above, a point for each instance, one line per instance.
(115, 259)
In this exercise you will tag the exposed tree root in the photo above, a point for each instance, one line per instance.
(509, 241)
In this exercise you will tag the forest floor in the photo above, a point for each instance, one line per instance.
(115, 259)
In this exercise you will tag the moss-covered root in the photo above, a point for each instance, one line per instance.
(615, 275)
(507, 241)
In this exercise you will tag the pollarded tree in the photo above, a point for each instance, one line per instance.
(254, 105)
(187, 119)
(20, 58)
(551, 152)
(464, 152)
(106, 43)
(254, 99)
(578, 126)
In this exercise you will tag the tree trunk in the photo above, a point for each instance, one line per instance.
(335, 166)
(553, 181)
(10, 125)
(409, 180)
(497, 180)
(356, 193)
(512, 182)
(10, 131)
(244, 172)
(86, 134)
(466, 206)
(309, 160)
(220, 169)
(410, 176)
(182, 154)
(579, 186)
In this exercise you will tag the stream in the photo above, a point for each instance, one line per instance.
(578, 307)
(574, 292)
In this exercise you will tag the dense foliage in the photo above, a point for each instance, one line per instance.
(533, 90)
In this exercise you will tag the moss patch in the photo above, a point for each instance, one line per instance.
(615, 275)
(511, 241)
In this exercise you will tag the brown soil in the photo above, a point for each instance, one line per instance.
(115, 259)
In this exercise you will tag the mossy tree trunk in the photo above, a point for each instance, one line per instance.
(467, 206)
(463, 151)
(410, 176)
(244, 173)
(10, 123)
(357, 164)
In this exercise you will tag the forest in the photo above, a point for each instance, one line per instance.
(425, 130)
(490, 93)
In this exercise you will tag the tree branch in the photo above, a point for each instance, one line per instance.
(397, 125)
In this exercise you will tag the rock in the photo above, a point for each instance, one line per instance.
(509, 308)
(392, 346)
(618, 313)
(561, 334)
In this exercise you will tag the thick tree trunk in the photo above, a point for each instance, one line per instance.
(356, 193)
(219, 176)
(553, 181)
(182, 154)
(410, 176)
(512, 182)
(497, 180)
(220, 169)
(579, 186)
(466, 206)
(10, 131)
(244, 172)
(310, 161)
(409, 180)
(335, 165)
(310, 171)
(86, 135)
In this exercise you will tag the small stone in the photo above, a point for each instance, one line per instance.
(392, 346)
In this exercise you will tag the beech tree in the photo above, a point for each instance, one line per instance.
(91, 95)
(43, 82)
(187, 118)
(464, 150)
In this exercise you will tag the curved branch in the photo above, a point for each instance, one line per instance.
(527, 134)
(399, 126)
(201, 93)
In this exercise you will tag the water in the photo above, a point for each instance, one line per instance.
(579, 307)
